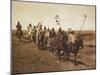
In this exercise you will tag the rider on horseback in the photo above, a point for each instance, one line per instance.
(71, 39)
(52, 33)
(39, 31)
(34, 34)
(18, 27)
(45, 37)
(19, 32)
(30, 31)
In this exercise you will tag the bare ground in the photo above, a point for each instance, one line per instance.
(27, 58)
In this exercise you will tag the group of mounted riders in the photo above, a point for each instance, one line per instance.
(60, 42)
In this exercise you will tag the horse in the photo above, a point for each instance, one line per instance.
(41, 38)
(51, 41)
(19, 34)
(34, 37)
(75, 48)
(30, 33)
(63, 48)
(61, 44)
(59, 48)
(46, 39)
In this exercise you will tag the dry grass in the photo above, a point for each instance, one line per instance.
(27, 58)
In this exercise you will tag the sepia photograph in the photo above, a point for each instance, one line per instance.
(52, 37)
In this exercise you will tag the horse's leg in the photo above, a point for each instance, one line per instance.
(67, 56)
(19, 37)
(75, 59)
(36, 40)
(16, 33)
(68, 53)
(43, 44)
(63, 57)
(57, 54)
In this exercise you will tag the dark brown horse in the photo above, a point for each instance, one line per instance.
(41, 39)
(63, 48)
(19, 34)
(59, 46)
(76, 47)
(34, 37)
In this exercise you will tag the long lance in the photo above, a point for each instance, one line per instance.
(85, 16)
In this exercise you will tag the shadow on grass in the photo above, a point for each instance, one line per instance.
(78, 62)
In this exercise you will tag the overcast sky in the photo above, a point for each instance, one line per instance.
(71, 16)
